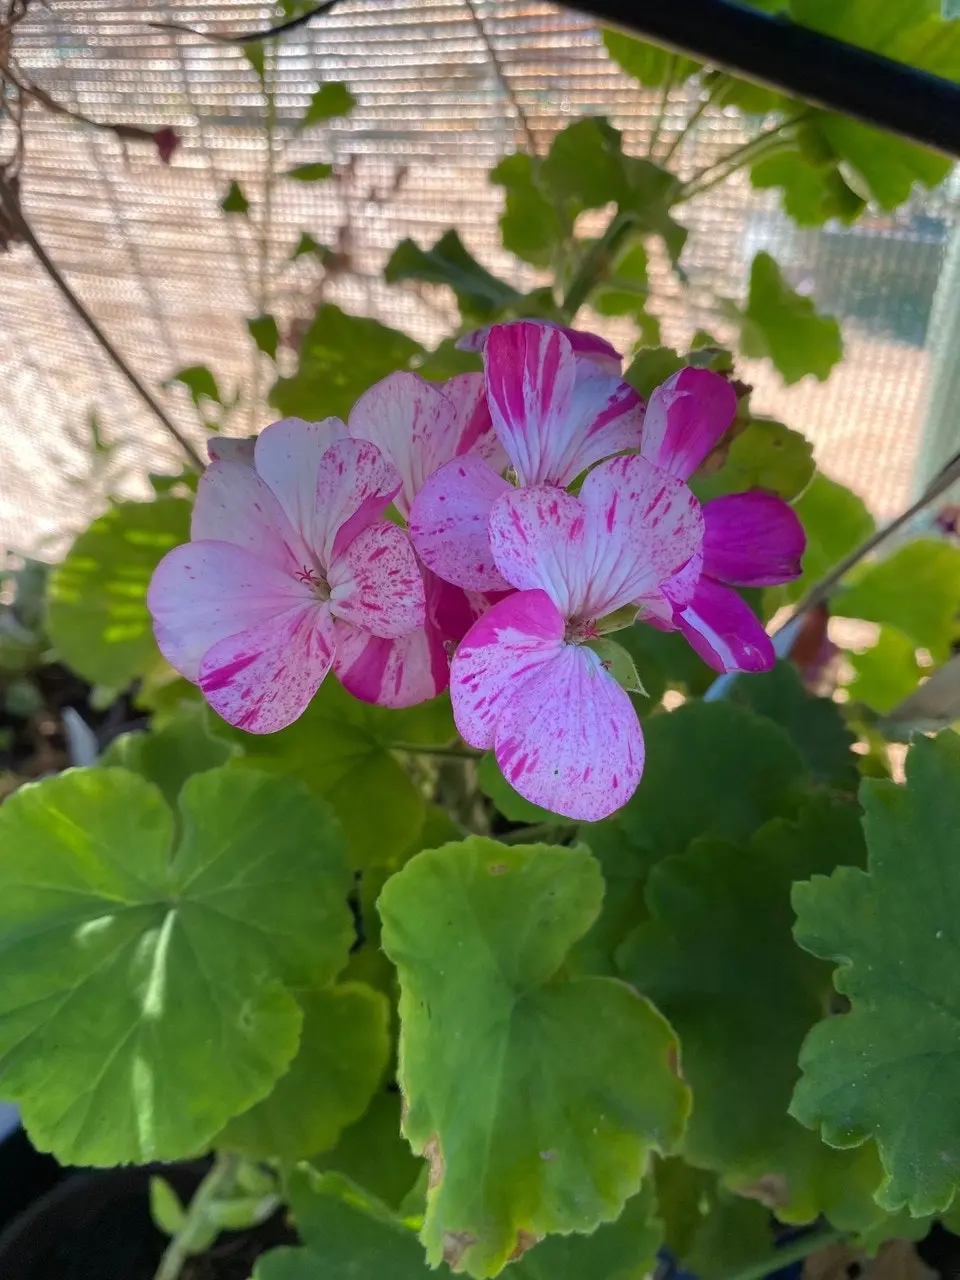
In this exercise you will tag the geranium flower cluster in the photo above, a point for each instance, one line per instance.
(485, 533)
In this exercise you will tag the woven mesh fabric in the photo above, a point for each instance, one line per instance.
(172, 279)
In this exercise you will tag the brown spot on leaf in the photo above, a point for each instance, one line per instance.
(673, 1059)
(432, 1152)
(525, 1240)
(498, 868)
(455, 1245)
(771, 1190)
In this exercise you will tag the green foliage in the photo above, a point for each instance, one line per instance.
(530, 225)
(340, 357)
(780, 323)
(621, 1250)
(373, 1152)
(146, 990)
(167, 756)
(835, 521)
(480, 295)
(506, 801)
(885, 1069)
(345, 751)
(917, 590)
(712, 1232)
(199, 381)
(545, 1141)
(887, 673)
(235, 201)
(327, 102)
(266, 335)
(764, 455)
(97, 615)
(312, 171)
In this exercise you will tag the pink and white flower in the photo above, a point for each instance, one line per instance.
(588, 346)
(752, 539)
(555, 416)
(289, 561)
(419, 426)
(525, 680)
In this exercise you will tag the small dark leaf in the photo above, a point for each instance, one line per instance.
(264, 332)
(315, 171)
(481, 296)
(531, 226)
(786, 327)
(235, 201)
(308, 245)
(329, 100)
(199, 381)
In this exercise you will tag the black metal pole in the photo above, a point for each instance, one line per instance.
(807, 64)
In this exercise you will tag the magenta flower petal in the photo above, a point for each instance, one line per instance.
(234, 505)
(355, 485)
(586, 345)
(262, 679)
(568, 738)
(287, 456)
(631, 528)
(376, 584)
(231, 449)
(724, 630)
(467, 392)
(203, 592)
(554, 414)
(501, 650)
(752, 539)
(449, 524)
(685, 418)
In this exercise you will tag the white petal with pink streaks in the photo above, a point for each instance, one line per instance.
(234, 505)
(530, 374)
(263, 678)
(203, 592)
(232, 449)
(355, 485)
(568, 738)
(376, 584)
(449, 524)
(499, 652)
(287, 456)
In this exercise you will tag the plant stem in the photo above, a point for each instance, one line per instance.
(11, 208)
(442, 753)
(597, 262)
(737, 159)
(662, 112)
(684, 133)
(217, 1183)
(538, 831)
(780, 1258)
(498, 69)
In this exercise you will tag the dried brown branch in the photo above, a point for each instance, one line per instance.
(249, 37)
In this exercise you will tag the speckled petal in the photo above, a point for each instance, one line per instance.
(449, 524)
(287, 456)
(376, 584)
(234, 505)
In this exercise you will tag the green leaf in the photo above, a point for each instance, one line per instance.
(329, 100)
(629, 287)
(166, 1209)
(507, 801)
(255, 54)
(344, 750)
(584, 168)
(784, 325)
(373, 1152)
(524, 1138)
(347, 1235)
(835, 521)
(811, 194)
(446, 361)
(765, 455)
(235, 201)
(341, 356)
(621, 1250)
(312, 171)
(814, 725)
(144, 991)
(712, 769)
(917, 590)
(648, 63)
(266, 335)
(480, 295)
(97, 615)
(887, 673)
(717, 957)
(199, 381)
(619, 663)
(710, 1231)
(887, 1068)
(530, 225)
(168, 756)
(308, 245)
(343, 1054)
(652, 366)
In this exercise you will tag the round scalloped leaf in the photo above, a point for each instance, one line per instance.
(525, 1138)
(888, 1068)
(343, 1054)
(144, 991)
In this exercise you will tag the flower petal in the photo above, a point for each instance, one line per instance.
(287, 456)
(530, 374)
(606, 417)
(467, 392)
(632, 527)
(586, 345)
(202, 592)
(234, 505)
(231, 449)
(412, 423)
(568, 738)
(658, 607)
(752, 539)
(263, 678)
(723, 629)
(499, 652)
(376, 584)
(449, 524)
(355, 485)
(685, 418)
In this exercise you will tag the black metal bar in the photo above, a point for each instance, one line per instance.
(796, 60)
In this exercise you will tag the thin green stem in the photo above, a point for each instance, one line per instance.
(217, 1184)
(442, 753)
(737, 158)
(538, 831)
(684, 133)
(664, 102)
(597, 262)
(796, 1252)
